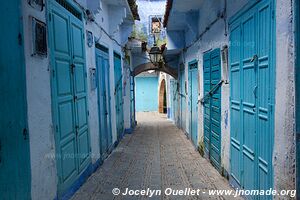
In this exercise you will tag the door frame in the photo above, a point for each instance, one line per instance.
(104, 55)
(231, 22)
(190, 96)
(61, 188)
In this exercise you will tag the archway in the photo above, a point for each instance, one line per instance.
(149, 66)
(162, 100)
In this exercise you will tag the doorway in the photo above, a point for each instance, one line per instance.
(69, 92)
(102, 64)
(252, 71)
(162, 103)
(193, 101)
(212, 106)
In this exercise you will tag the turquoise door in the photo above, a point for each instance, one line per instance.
(193, 101)
(182, 101)
(212, 106)
(119, 95)
(15, 177)
(146, 94)
(252, 97)
(102, 64)
(69, 93)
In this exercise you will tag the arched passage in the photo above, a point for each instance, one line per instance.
(162, 100)
(149, 66)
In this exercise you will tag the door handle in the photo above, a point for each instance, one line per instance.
(255, 91)
(25, 133)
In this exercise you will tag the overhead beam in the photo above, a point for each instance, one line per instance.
(149, 66)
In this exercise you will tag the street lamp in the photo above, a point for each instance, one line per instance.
(155, 55)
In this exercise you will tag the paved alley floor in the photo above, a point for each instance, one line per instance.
(156, 156)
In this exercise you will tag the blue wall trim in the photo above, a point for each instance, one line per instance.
(128, 130)
(92, 168)
(80, 181)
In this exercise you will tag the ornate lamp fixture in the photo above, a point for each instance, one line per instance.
(155, 55)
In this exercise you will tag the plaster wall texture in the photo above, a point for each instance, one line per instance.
(284, 153)
(42, 143)
(41, 132)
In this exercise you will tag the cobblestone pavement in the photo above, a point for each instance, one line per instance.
(157, 156)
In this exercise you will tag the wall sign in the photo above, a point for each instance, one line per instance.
(90, 40)
(93, 78)
(39, 40)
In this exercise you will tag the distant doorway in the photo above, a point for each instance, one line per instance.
(162, 104)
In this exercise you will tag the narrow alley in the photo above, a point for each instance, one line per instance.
(157, 155)
(132, 99)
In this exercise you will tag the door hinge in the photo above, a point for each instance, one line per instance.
(56, 128)
(74, 98)
(49, 16)
(20, 40)
(53, 73)
(88, 113)
(72, 68)
(25, 133)
(273, 14)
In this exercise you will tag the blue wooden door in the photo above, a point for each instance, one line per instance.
(118, 94)
(103, 100)
(69, 93)
(182, 100)
(193, 100)
(15, 177)
(212, 106)
(252, 97)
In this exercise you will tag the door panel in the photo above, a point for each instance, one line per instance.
(235, 103)
(119, 94)
(249, 85)
(212, 106)
(104, 101)
(251, 103)
(69, 95)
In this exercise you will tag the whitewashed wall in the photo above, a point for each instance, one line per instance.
(42, 143)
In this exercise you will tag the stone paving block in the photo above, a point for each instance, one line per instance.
(157, 155)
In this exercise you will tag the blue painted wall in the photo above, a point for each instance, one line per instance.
(146, 94)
